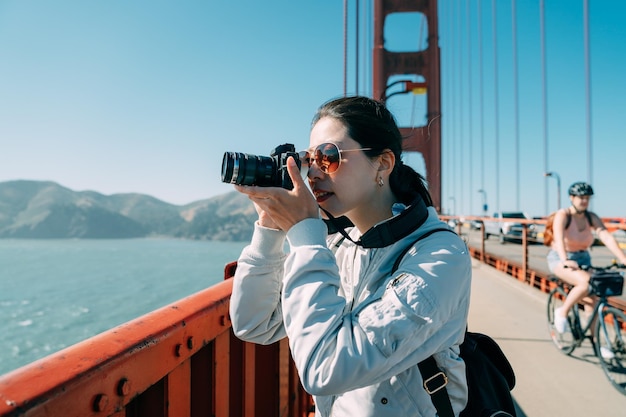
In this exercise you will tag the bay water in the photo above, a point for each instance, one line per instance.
(55, 293)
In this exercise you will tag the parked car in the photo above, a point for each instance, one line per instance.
(475, 224)
(508, 230)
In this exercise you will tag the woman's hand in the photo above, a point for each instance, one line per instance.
(279, 208)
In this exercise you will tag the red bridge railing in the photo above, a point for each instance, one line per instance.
(180, 360)
(521, 269)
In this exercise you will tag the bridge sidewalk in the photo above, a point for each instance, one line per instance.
(548, 382)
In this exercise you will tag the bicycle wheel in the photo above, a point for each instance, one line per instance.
(565, 342)
(610, 340)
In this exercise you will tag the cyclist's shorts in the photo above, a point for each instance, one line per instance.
(582, 257)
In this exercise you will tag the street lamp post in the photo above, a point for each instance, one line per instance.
(558, 186)
(484, 194)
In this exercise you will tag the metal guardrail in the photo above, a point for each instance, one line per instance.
(522, 271)
(180, 360)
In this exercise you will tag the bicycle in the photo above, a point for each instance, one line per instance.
(606, 327)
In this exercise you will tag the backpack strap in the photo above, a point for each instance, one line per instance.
(569, 218)
(435, 380)
(589, 219)
(405, 250)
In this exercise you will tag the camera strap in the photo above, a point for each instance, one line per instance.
(385, 233)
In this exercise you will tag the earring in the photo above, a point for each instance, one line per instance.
(380, 181)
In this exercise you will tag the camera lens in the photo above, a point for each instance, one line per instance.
(245, 169)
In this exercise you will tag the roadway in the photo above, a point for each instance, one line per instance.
(548, 382)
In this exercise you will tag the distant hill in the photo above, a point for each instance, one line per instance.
(44, 209)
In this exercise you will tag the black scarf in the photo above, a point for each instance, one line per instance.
(387, 232)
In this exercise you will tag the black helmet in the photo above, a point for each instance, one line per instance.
(580, 188)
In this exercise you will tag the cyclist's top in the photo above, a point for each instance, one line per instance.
(577, 240)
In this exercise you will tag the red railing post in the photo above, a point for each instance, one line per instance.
(524, 252)
(482, 242)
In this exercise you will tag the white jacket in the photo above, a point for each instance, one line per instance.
(356, 331)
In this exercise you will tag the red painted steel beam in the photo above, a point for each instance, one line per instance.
(101, 375)
(221, 392)
(423, 139)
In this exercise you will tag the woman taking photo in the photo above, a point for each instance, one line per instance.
(356, 329)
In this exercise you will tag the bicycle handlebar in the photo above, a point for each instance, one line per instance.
(614, 265)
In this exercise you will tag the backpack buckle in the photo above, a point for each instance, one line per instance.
(435, 383)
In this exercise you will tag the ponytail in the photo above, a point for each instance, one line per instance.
(406, 184)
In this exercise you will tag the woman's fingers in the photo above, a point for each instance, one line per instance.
(284, 207)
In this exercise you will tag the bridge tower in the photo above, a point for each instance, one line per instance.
(425, 63)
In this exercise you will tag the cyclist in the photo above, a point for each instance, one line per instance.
(573, 229)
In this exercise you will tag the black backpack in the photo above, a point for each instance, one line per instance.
(490, 377)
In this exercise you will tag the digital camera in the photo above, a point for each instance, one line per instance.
(263, 171)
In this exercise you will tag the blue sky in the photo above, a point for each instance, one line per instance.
(559, 145)
(146, 96)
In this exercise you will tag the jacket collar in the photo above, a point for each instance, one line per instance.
(387, 232)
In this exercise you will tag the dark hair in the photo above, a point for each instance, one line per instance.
(371, 124)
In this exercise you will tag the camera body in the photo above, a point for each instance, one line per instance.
(263, 171)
